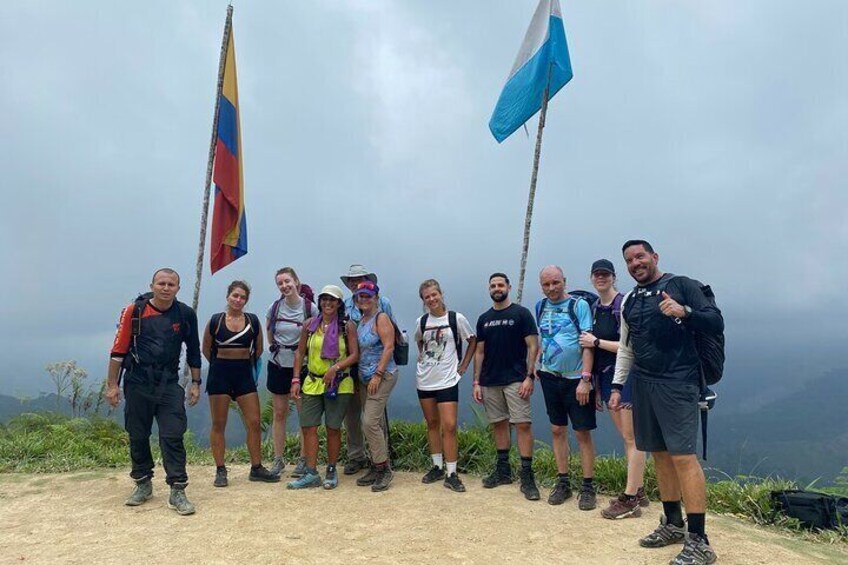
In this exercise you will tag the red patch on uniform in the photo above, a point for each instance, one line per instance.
(176, 327)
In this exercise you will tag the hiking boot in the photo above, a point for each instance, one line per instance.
(622, 507)
(262, 474)
(331, 479)
(587, 499)
(299, 468)
(221, 477)
(142, 493)
(178, 501)
(497, 477)
(665, 534)
(383, 479)
(454, 483)
(560, 493)
(368, 478)
(310, 479)
(278, 466)
(354, 466)
(528, 485)
(433, 475)
(696, 551)
(642, 497)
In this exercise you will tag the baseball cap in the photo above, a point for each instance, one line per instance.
(367, 287)
(603, 265)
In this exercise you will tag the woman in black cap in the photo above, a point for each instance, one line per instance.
(604, 339)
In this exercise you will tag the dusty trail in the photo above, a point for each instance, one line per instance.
(80, 518)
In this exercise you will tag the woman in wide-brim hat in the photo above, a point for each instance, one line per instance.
(328, 342)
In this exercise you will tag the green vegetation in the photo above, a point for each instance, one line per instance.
(49, 442)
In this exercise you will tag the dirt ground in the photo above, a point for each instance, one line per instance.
(80, 518)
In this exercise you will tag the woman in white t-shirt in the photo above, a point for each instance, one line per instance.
(284, 321)
(439, 334)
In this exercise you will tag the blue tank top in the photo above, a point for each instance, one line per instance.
(370, 350)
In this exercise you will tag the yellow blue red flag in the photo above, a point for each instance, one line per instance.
(229, 223)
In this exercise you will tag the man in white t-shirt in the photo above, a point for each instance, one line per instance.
(440, 335)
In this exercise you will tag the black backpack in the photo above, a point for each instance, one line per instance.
(457, 340)
(812, 509)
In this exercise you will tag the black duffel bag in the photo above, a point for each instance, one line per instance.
(812, 509)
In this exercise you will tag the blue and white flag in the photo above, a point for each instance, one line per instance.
(542, 60)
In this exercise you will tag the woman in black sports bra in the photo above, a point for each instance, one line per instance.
(232, 343)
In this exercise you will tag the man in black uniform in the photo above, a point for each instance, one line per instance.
(147, 347)
(657, 350)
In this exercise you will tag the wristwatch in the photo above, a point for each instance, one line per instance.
(688, 310)
(197, 382)
(597, 342)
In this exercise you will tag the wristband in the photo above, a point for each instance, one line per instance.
(586, 377)
(476, 383)
(615, 390)
(295, 381)
(197, 382)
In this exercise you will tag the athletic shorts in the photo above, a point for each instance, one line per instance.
(503, 402)
(279, 379)
(605, 383)
(450, 394)
(561, 403)
(230, 376)
(313, 406)
(665, 416)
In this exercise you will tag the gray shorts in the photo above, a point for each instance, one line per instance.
(665, 416)
(502, 402)
(312, 407)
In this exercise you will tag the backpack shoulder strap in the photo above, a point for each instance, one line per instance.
(616, 310)
(422, 325)
(540, 307)
(455, 329)
(572, 304)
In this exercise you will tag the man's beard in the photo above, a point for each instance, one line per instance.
(499, 296)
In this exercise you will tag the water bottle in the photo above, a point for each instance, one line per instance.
(332, 391)
(404, 337)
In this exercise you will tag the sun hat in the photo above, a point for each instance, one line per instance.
(355, 271)
(368, 288)
(332, 290)
(603, 265)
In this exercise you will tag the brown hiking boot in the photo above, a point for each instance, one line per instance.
(642, 497)
(622, 507)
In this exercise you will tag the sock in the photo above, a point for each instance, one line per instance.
(219, 468)
(673, 512)
(629, 496)
(526, 463)
(451, 465)
(255, 467)
(311, 470)
(563, 478)
(503, 459)
(588, 481)
(437, 460)
(696, 524)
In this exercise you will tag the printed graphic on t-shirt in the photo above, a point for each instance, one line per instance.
(438, 362)
(561, 351)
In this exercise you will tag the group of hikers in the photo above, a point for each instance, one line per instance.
(632, 355)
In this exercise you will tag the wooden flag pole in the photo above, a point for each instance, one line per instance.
(204, 215)
(532, 196)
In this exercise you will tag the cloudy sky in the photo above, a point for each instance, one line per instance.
(717, 130)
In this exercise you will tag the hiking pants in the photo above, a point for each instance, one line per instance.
(353, 423)
(148, 397)
(374, 417)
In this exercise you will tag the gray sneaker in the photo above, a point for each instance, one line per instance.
(696, 551)
(221, 477)
(587, 499)
(299, 468)
(178, 501)
(383, 479)
(354, 466)
(142, 493)
(368, 478)
(278, 466)
(665, 534)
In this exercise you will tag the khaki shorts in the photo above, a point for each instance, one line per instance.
(502, 402)
(312, 407)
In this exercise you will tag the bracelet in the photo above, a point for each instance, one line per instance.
(476, 383)
(295, 381)
(615, 390)
(197, 382)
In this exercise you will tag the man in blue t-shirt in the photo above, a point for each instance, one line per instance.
(565, 371)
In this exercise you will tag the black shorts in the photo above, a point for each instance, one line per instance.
(665, 416)
(279, 378)
(231, 376)
(450, 394)
(561, 403)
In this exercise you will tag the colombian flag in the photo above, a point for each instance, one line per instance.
(229, 223)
